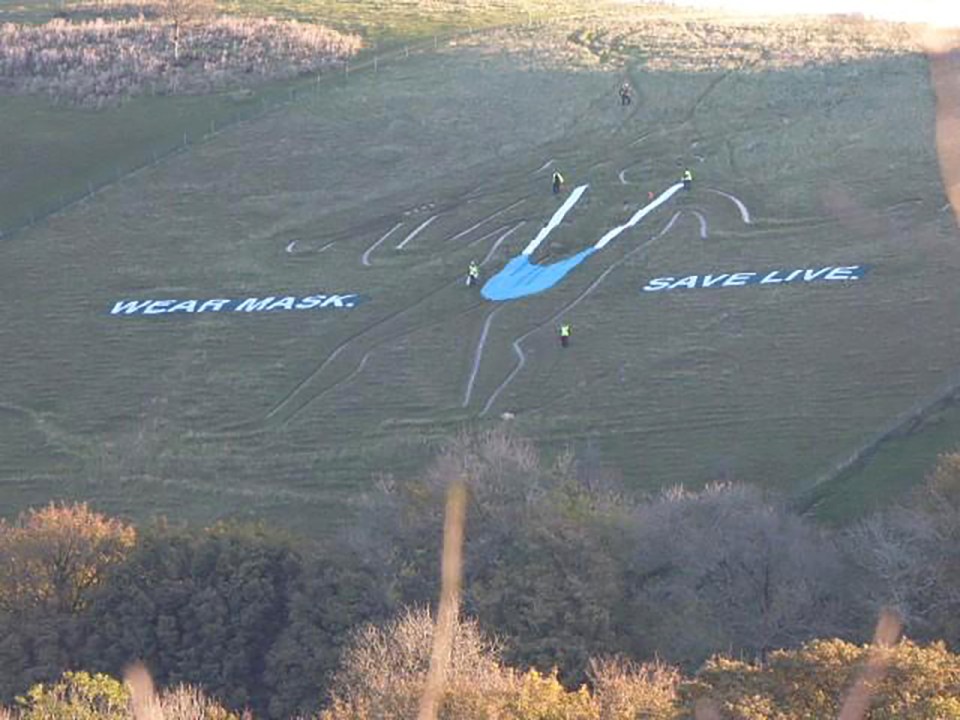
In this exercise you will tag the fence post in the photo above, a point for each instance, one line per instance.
(90, 187)
(184, 139)
(213, 126)
(406, 51)
(374, 63)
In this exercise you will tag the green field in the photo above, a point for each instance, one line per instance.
(53, 154)
(896, 466)
(288, 416)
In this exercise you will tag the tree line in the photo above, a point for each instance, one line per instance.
(562, 567)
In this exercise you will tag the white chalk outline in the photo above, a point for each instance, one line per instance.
(703, 223)
(543, 167)
(478, 354)
(638, 216)
(366, 256)
(567, 308)
(416, 231)
(500, 239)
(487, 236)
(555, 220)
(744, 213)
(486, 219)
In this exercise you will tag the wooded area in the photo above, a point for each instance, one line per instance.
(561, 568)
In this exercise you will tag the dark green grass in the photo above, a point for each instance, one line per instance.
(51, 155)
(896, 467)
(187, 415)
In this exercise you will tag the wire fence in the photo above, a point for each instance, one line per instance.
(268, 99)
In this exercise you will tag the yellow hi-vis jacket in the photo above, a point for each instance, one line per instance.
(687, 175)
(473, 270)
(564, 331)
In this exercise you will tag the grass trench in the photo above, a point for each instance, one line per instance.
(288, 416)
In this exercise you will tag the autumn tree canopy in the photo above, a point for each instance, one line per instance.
(53, 557)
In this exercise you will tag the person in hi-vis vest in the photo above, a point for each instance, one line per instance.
(687, 179)
(473, 273)
(557, 182)
(565, 331)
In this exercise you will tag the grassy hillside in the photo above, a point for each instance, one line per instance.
(51, 154)
(289, 415)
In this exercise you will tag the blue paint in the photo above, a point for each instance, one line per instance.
(521, 277)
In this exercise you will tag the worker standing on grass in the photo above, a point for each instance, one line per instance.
(565, 330)
(557, 182)
(473, 273)
(687, 179)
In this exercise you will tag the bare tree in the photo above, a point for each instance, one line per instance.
(910, 554)
(724, 569)
(185, 12)
(384, 668)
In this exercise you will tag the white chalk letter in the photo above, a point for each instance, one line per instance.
(213, 305)
(188, 306)
(251, 304)
(658, 284)
(339, 301)
(688, 282)
(738, 279)
(158, 307)
(129, 307)
(812, 274)
(285, 303)
(310, 302)
(711, 280)
(843, 273)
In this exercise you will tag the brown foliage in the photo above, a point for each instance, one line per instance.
(92, 62)
(918, 683)
(626, 690)
(82, 696)
(53, 557)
